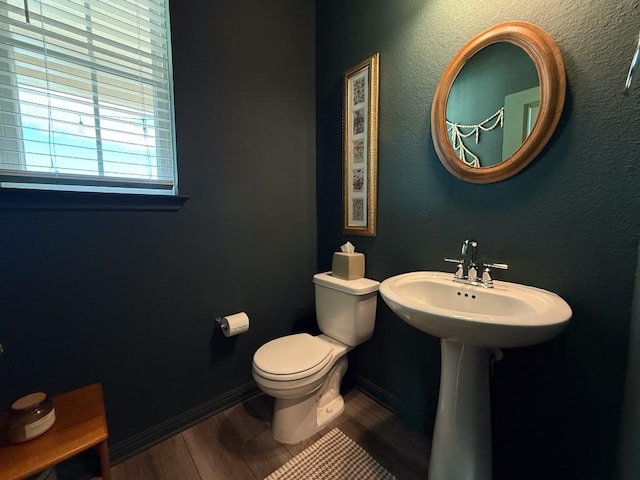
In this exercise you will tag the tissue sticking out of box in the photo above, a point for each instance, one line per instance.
(348, 248)
(347, 264)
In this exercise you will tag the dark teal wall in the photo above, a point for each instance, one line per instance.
(129, 298)
(568, 223)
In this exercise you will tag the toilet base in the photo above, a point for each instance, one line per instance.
(296, 419)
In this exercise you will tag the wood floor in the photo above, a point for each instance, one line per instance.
(236, 444)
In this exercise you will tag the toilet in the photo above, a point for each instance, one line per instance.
(303, 372)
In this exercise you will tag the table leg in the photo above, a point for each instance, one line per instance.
(105, 468)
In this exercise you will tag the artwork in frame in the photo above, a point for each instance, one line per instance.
(360, 149)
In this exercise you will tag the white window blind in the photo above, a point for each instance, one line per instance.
(86, 96)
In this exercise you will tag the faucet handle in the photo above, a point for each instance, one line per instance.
(501, 266)
(486, 274)
(460, 269)
(453, 260)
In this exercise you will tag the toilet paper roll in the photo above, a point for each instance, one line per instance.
(234, 324)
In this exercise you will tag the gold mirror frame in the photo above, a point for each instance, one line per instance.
(547, 58)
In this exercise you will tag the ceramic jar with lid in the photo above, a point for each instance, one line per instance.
(30, 417)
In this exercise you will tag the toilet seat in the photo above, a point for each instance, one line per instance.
(292, 357)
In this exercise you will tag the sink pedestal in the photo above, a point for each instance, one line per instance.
(461, 448)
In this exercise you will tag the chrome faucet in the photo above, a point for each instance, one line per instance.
(470, 248)
(467, 266)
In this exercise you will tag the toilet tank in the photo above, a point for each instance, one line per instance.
(346, 309)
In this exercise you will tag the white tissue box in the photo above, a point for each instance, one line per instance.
(348, 266)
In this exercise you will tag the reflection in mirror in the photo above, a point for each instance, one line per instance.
(492, 104)
(513, 116)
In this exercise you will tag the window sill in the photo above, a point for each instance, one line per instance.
(11, 199)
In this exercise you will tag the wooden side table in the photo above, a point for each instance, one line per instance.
(80, 424)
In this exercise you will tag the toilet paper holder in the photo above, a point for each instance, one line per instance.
(219, 323)
(232, 325)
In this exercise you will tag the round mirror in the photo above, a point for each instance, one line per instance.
(498, 102)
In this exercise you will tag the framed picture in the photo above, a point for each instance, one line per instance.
(360, 149)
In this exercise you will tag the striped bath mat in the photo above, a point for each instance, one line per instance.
(334, 457)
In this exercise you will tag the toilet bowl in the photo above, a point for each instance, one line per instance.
(304, 372)
(305, 385)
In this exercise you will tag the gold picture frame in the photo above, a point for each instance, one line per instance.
(360, 148)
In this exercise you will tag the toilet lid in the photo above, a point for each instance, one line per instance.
(292, 357)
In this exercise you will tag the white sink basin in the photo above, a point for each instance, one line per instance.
(508, 315)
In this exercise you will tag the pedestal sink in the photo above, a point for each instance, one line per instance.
(473, 323)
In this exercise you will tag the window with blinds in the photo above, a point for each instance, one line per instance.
(86, 96)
